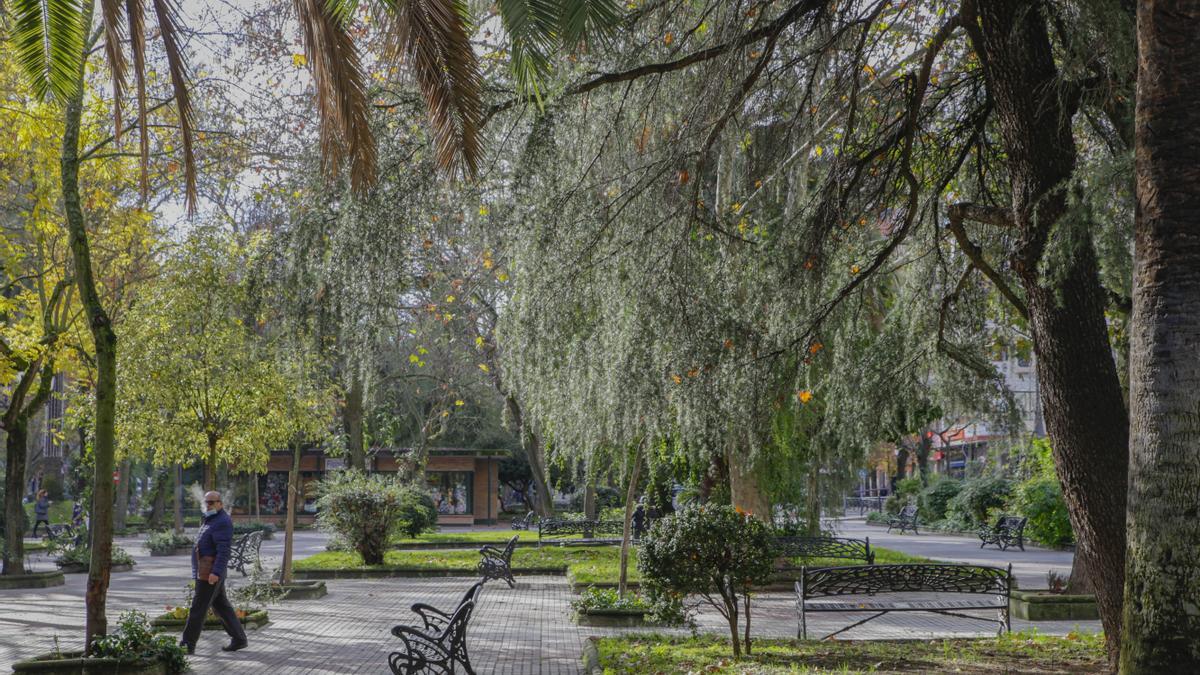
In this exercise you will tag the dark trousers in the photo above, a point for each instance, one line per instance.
(207, 595)
(39, 522)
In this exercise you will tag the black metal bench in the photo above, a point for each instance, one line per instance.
(245, 551)
(435, 622)
(497, 564)
(524, 523)
(824, 547)
(588, 530)
(905, 520)
(993, 582)
(434, 650)
(1008, 531)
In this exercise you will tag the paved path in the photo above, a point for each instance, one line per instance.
(1029, 566)
(526, 630)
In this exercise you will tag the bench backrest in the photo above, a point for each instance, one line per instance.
(909, 511)
(1012, 524)
(932, 578)
(825, 547)
(510, 547)
(457, 627)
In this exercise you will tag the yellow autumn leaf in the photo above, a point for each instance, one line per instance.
(460, 403)
(299, 60)
(484, 367)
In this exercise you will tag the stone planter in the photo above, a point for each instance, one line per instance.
(36, 580)
(1045, 606)
(73, 663)
(80, 568)
(165, 623)
(182, 550)
(611, 617)
(302, 590)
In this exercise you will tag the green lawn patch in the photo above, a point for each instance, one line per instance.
(60, 512)
(1012, 653)
(475, 538)
(583, 565)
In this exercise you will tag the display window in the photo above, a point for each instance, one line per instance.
(451, 491)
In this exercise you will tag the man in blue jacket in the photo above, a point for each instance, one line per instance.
(209, 558)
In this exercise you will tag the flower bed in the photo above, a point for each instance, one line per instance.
(35, 580)
(176, 617)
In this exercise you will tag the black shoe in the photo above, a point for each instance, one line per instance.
(191, 649)
(233, 646)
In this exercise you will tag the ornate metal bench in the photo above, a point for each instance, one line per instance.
(560, 528)
(905, 520)
(245, 551)
(824, 547)
(524, 523)
(1008, 531)
(497, 564)
(434, 650)
(435, 622)
(993, 582)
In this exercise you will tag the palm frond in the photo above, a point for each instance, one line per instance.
(48, 37)
(114, 35)
(136, 14)
(532, 27)
(341, 88)
(168, 28)
(584, 20)
(431, 36)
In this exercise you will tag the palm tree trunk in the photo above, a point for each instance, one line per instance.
(1162, 579)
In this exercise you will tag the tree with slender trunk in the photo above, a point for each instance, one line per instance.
(1162, 580)
(293, 495)
(627, 529)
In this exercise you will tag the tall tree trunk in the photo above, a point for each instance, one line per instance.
(285, 572)
(532, 443)
(627, 530)
(352, 421)
(177, 476)
(745, 490)
(105, 341)
(210, 465)
(159, 500)
(14, 490)
(121, 510)
(1081, 393)
(924, 446)
(813, 502)
(1162, 580)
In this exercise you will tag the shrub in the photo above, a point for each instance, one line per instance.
(978, 497)
(246, 528)
(1041, 501)
(71, 553)
(364, 510)
(607, 598)
(934, 501)
(53, 487)
(717, 552)
(606, 498)
(134, 640)
(167, 542)
(417, 512)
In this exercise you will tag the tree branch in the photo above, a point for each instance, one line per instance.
(956, 214)
(956, 353)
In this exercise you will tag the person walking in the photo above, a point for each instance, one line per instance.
(639, 520)
(209, 559)
(41, 512)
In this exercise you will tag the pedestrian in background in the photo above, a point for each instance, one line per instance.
(41, 512)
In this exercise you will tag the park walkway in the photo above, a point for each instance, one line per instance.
(526, 630)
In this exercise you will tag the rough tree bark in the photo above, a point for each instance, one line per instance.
(352, 423)
(105, 341)
(1162, 578)
(121, 510)
(177, 476)
(285, 572)
(532, 443)
(1081, 394)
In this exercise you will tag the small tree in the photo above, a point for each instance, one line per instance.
(365, 510)
(717, 552)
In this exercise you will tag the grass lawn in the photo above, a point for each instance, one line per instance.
(60, 512)
(584, 565)
(1013, 653)
(476, 538)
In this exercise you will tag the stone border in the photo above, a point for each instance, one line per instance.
(1041, 605)
(591, 657)
(412, 572)
(79, 568)
(35, 580)
(76, 664)
(621, 618)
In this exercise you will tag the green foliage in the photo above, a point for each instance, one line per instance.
(54, 488)
(133, 640)
(607, 598)
(167, 541)
(365, 510)
(1041, 501)
(978, 498)
(718, 552)
(71, 553)
(417, 513)
(606, 498)
(246, 528)
(935, 499)
(257, 591)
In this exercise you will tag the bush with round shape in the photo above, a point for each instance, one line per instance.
(417, 512)
(717, 552)
(935, 499)
(365, 510)
(978, 497)
(1040, 499)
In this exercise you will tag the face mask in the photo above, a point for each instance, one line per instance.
(210, 512)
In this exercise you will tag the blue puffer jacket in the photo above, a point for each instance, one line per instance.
(214, 538)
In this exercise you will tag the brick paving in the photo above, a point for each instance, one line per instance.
(526, 630)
